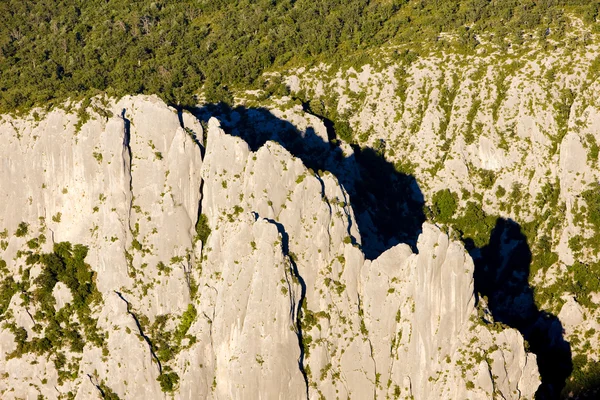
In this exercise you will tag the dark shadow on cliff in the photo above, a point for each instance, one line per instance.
(388, 205)
(502, 279)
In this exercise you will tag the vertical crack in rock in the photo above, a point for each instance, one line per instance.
(298, 312)
(189, 131)
(30, 316)
(191, 258)
(97, 386)
(349, 220)
(326, 200)
(180, 117)
(492, 377)
(505, 372)
(141, 332)
(201, 191)
(187, 273)
(127, 165)
(362, 322)
(376, 383)
(126, 144)
(212, 318)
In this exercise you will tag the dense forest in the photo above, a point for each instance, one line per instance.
(53, 50)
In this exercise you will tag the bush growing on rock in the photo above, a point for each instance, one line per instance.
(444, 204)
(22, 229)
(202, 228)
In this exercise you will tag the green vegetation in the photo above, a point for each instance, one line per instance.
(52, 51)
(592, 201)
(72, 326)
(468, 135)
(22, 229)
(344, 131)
(187, 318)
(586, 374)
(166, 344)
(300, 178)
(107, 392)
(500, 191)
(8, 287)
(168, 380)
(582, 281)
(475, 224)
(446, 104)
(444, 205)
(588, 216)
(562, 111)
(202, 228)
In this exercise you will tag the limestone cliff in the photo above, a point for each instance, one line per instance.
(239, 275)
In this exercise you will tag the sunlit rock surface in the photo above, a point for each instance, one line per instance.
(280, 302)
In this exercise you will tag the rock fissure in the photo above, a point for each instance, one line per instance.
(275, 298)
(96, 385)
(141, 333)
(301, 300)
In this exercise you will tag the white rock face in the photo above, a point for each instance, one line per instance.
(516, 135)
(278, 303)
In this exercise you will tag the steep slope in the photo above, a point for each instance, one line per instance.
(278, 302)
(506, 142)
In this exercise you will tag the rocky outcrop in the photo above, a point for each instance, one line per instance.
(278, 301)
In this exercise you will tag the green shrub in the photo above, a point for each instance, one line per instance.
(202, 229)
(187, 318)
(8, 288)
(73, 325)
(344, 131)
(168, 381)
(108, 393)
(444, 204)
(500, 191)
(136, 245)
(592, 200)
(475, 224)
(487, 178)
(22, 229)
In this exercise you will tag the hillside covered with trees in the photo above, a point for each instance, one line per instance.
(54, 50)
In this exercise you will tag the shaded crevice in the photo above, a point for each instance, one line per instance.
(366, 335)
(199, 215)
(387, 204)
(127, 161)
(349, 219)
(491, 375)
(180, 116)
(141, 332)
(126, 131)
(388, 210)
(29, 313)
(187, 273)
(329, 124)
(326, 200)
(190, 132)
(102, 388)
(376, 383)
(501, 275)
(97, 386)
(211, 319)
(298, 313)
